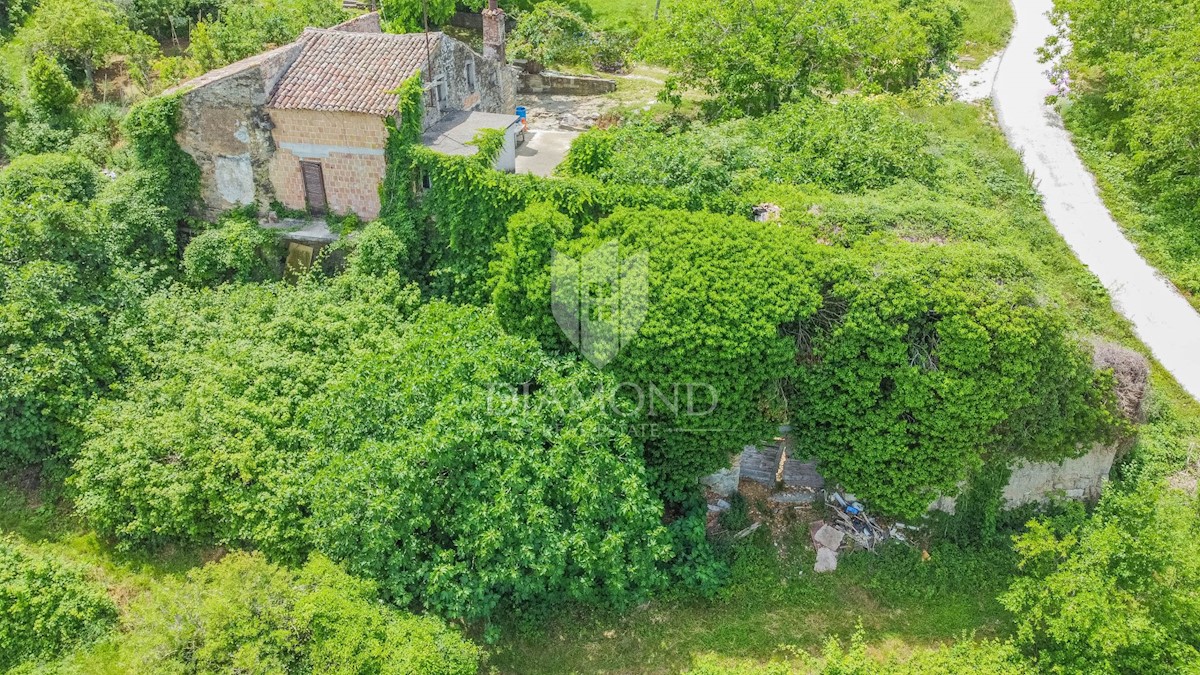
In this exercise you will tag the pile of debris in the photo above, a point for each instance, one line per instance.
(849, 526)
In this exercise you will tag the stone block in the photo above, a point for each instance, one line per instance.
(826, 560)
(829, 537)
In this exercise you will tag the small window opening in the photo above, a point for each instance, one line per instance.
(471, 76)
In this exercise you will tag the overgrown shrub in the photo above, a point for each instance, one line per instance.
(705, 363)
(552, 34)
(923, 357)
(851, 145)
(206, 443)
(58, 293)
(244, 614)
(467, 471)
(150, 128)
(753, 57)
(49, 606)
(244, 29)
(237, 250)
(412, 453)
(65, 177)
(1116, 595)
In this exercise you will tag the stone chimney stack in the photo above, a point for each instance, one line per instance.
(493, 32)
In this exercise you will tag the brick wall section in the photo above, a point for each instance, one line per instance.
(348, 146)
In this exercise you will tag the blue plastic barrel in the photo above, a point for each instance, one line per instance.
(521, 111)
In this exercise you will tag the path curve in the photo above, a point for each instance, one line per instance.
(1162, 318)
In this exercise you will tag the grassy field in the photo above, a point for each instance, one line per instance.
(987, 24)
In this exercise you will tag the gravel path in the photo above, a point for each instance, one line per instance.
(1163, 319)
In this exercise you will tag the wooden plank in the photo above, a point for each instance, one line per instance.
(314, 187)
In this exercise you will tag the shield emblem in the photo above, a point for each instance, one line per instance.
(600, 302)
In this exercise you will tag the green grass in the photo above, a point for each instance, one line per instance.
(616, 10)
(987, 24)
(1168, 242)
(774, 606)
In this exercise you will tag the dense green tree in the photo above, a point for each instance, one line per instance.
(469, 472)
(1141, 65)
(49, 606)
(408, 16)
(83, 34)
(1117, 595)
(50, 92)
(243, 614)
(207, 441)
(753, 57)
(243, 29)
(318, 417)
(57, 291)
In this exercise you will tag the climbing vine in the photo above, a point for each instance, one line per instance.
(150, 128)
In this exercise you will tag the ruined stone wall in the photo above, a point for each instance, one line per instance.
(348, 146)
(548, 82)
(226, 130)
(1031, 482)
(495, 88)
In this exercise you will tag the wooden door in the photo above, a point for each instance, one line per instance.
(314, 187)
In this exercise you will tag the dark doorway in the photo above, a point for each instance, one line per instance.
(314, 187)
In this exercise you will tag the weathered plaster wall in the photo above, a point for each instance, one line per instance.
(349, 148)
(225, 129)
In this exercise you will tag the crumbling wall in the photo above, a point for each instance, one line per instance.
(348, 146)
(226, 131)
(367, 23)
(549, 82)
(495, 88)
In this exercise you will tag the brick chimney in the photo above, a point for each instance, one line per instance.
(493, 32)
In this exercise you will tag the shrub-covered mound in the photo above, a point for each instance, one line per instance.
(325, 417)
(47, 606)
(244, 614)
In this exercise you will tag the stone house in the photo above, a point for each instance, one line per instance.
(303, 125)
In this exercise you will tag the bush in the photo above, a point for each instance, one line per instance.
(470, 473)
(244, 614)
(552, 34)
(140, 228)
(235, 251)
(753, 57)
(921, 358)
(851, 145)
(206, 443)
(50, 606)
(65, 177)
(1107, 598)
(229, 434)
(247, 28)
(58, 294)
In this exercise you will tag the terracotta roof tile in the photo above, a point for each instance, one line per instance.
(351, 72)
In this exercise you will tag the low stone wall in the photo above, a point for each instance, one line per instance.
(550, 82)
(1078, 478)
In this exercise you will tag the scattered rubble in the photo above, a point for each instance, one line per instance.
(849, 525)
